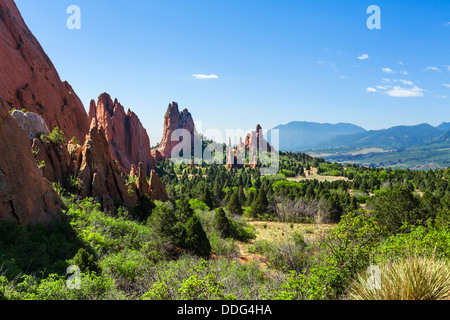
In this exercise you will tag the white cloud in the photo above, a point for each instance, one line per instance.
(370, 89)
(388, 70)
(447, 24)
(406, 82)
(401, 92)
(441, 96)
(363, 56)
(433, 69)
(404, 72)
(401, 63)
(205, 76)
(446, 85)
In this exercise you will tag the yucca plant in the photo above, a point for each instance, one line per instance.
(414, 278)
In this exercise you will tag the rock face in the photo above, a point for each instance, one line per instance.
(99, 174)
(173, 120)
(31, 123)
(128, 139)
(28, 79)
(25, 196)
(156, 188)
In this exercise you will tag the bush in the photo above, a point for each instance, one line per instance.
(143, 209)
(57, 137)
(85, 262)
(414, 278)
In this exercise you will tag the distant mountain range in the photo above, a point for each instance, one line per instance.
(300, 135)
(400, 146)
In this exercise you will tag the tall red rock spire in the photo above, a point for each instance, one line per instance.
(127, 137)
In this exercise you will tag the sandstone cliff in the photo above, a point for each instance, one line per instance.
(28, 79)
(25, 196)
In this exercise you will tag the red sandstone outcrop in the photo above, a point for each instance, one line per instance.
(28, 79)
(173, 120)
(128, 139)
(156, 188)
(99, 174)
(25, 196)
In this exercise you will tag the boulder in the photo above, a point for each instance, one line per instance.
(31, 123)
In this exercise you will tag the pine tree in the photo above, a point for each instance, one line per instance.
(196, 240)
(222, 223)
(260, 205)
(207, 199)
(241, 194)
(234, 205)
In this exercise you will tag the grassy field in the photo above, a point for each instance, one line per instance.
(312, 175)
(279, 231)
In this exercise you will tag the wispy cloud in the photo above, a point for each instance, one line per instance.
(329, 64)
(401, 63)
(447, 24)
(364, 56)
(205, 76)
(446, 85)
(370, 89)
(433, 69)
(404, 72)
(387, 70)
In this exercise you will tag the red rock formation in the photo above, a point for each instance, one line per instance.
(99, 174)
(156, 189)
(28, 79)
(128, 139)
(58, 165)
(173, 120)
(25, 196)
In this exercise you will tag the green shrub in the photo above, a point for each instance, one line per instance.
(222, 223)
(143, 209)
(196, 240)
(57, 137)
(85, 261)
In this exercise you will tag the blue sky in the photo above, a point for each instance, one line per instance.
(272, 61)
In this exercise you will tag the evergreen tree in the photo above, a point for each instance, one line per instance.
(250, 199)
(222, 223)
(196, 240)
(260, 205)
(234, 205)
(242, 198)
(207, 199)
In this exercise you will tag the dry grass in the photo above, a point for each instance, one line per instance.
(279, 231)
(415, 278)
(314, 176)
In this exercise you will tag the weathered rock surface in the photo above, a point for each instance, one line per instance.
(99, 174)
(128, 139)
(173, 120)
(25, 196)
(28, 79)
(31, 123)
(156, 189)
(58, 165)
